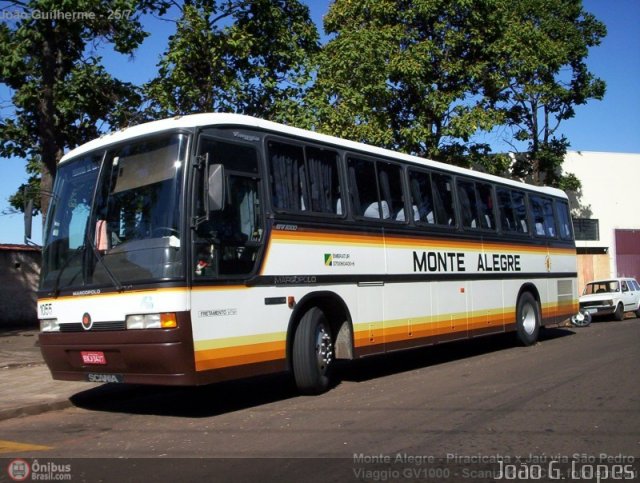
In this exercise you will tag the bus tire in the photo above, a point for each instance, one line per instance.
(527, 319)
(619, 313)
(313, 353)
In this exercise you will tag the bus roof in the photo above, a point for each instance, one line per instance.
(224, 119)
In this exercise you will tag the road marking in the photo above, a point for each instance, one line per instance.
(13, 447)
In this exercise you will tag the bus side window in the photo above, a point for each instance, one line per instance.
(390, 186)
(421, 197)
(505, 210)
(324, 181)
(485, 206)
(227, 242)
(520, 211)
(512, 211)
(564, 219)
(363, 189)
(549, 218)
(544, 221)
(468, 204)
(443, 199)
(289, 187)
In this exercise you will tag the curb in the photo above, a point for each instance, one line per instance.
(34, 409)
(20, 365)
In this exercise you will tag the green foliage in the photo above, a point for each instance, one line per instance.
(406, 74)
(235, 55)
(61, 94)
(426, 76)
(540, 75)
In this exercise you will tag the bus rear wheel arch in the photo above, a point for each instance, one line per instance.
(528, 318)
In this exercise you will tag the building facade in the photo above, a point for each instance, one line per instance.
(606, 214)
(19, 272)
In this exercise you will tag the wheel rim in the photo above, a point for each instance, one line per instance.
(324, 349)
(528, 319)
(581, 319)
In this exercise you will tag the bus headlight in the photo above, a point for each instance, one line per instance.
(49, 325)
(166, 320)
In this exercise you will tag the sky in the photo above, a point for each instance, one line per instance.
(610, 125)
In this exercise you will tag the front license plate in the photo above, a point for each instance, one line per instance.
(96, 358)
(93, 377)
(591, 311)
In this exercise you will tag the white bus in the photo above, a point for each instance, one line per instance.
(214, 246)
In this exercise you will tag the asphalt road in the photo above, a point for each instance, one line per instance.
(459, 408)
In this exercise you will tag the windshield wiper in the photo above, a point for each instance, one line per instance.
(56, 284)
(116, 283)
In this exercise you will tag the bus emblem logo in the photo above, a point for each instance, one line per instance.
(87, 323)
(328, 259)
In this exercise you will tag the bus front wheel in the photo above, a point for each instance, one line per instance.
(527, 319)
(313, 353)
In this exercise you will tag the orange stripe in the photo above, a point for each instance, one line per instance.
(565, 309)
(438, 327)
(239, 355)
(303, 236)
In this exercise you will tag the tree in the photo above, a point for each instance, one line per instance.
(540, 75)
(241, 56)
(426, 76)
(61, 94)
(407, 74)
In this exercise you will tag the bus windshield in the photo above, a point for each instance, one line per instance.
(131, 232)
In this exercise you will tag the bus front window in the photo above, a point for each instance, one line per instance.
(65, 232)
(133, 231)
(137, 217)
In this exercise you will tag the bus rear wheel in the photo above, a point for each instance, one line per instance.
(313, 353)
(527, 319)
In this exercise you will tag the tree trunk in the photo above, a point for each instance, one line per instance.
(51, 151)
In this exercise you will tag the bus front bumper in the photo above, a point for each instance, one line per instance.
(145, 356)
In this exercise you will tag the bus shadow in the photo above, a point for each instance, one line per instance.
(409, 360)
(231, 396)
(193, 402)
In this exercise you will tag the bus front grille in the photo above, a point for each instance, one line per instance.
(97, 326)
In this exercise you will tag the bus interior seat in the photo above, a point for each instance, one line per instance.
(373, 210)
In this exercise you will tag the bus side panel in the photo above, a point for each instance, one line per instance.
(489, 302)
(563, 293)
(238, 331)
(407, 315)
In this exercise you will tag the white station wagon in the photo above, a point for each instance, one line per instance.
(605, 297)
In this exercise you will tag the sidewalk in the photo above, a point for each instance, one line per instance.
(26, 386)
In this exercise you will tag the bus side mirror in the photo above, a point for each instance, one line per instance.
(215, 187)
